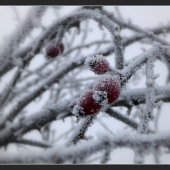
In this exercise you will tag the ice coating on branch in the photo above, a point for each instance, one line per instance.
(86, 104)
(98, 64)
(109, 84)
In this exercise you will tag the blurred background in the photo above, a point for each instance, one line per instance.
(146, 17)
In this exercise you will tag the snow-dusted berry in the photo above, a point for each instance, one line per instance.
(98, 64)
(86, 104)
(108, 84)
(53, 51)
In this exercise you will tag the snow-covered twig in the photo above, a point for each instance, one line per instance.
(40, 89)
(118, 49)
(64, 54)
(39, 119)
(137, 29)
(106, 154)
(19, 35)
(32, 143)
(11, 85)
(18, 91)
(125, 119)
(62, 154)
(139, 61)
(80, 130)
(147, 115)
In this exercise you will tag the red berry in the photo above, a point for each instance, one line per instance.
(87, 102)
(52, 51)
(98, 64)
(61, 46)
(110, 85)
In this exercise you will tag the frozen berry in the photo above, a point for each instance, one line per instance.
(52, 51)
(87, 102)
(98, 64)
(108, 84)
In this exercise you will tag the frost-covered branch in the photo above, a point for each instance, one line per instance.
(139, 61)
(125, 119)
(137, 96)
(106, 154)
(18, 36)
(25, 124)
(79, 132)
(59, 111)
(136, 38)
(40, 89)
(18, 91)
(11, 85)
(65, 54)
(147, 115)
(118, 49)
(62, 154)
(49, 34)
(164, 29)
(135, 28)
(60, 27)
(64, 79)
(32, 143)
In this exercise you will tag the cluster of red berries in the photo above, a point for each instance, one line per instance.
(53, 51)
(105, 90)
